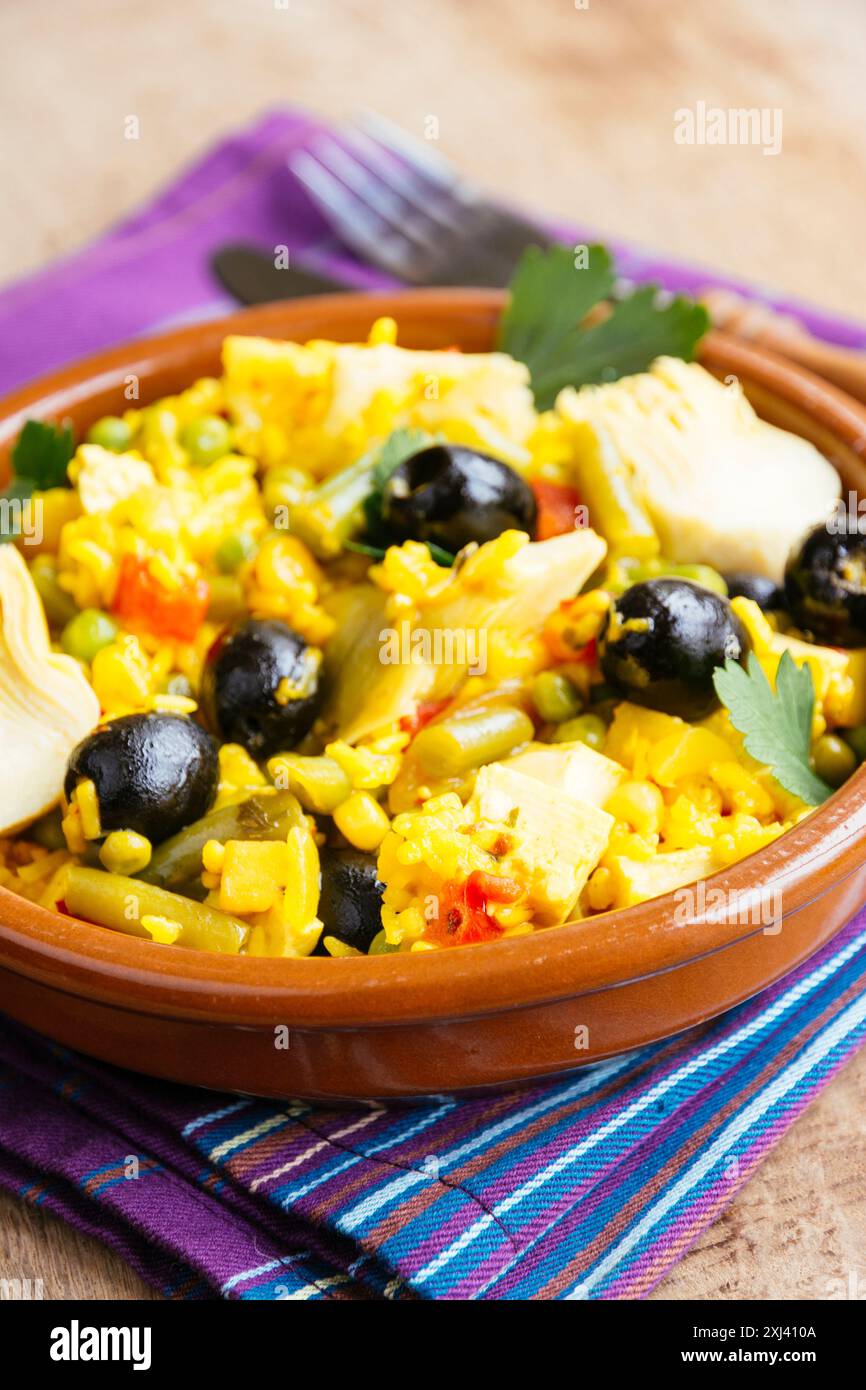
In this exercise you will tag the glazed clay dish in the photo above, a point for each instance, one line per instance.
(410, 1024)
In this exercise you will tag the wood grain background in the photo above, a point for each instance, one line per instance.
(567, 108)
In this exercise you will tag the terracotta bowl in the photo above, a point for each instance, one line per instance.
(477, 1017)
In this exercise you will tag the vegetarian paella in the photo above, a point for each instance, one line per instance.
(357, 648)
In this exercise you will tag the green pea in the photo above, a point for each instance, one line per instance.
(555, 697)
(856, 739)
(206, 439)
(87, 633)
(587, 728)
(110, 433)
(233, 551)
(381, 946)
(833, 759)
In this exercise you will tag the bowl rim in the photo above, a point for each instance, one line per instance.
(609, 950)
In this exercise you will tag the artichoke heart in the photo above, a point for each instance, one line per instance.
(368, 691)
(46, 704)
(721, 486)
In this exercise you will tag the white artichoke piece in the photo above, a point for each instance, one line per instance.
(366, 693)
(722, 487)
(46, 704)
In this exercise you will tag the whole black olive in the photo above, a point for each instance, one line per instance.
(260, 687)
(825, 584)
(663, 639)
(761, 590)
(153, 773)
(350, 905)
(450, 496)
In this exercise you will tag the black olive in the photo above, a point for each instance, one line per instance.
(761, 590)
(450, 496)
(240, 685)
(153, 773)
(350, 905)
(825, 584)
(663, 639)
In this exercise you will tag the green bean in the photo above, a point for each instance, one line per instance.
(603, 482)
(320, 784)
(700, 574)
(226, 598)
(59, 606)
(555, 697)
(381, 946)
(47, 831)
(178, 860)
(329, 514)
(458, 745)
(110, 900)
(627, 570)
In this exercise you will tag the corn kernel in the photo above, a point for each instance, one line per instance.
(72, 831)
(87, 802)
(125, 852)
(172, 704)
(365, 769)
(253, 872)
(121, 675)
(335, 947)
(213, 856)
(384, 330)
(600, 890)
(162, 929)
(640, 804)
(362, 820)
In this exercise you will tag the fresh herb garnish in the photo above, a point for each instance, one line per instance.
(776, 725)
(399, 445)
(552, 292)
(40, 459)
(42, 453)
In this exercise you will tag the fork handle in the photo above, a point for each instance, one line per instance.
(757, 323)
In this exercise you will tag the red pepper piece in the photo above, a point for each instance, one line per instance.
(557, 509)
(142, 602)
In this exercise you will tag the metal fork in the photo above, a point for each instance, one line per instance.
(405, 210)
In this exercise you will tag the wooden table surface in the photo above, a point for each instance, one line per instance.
(566, 106)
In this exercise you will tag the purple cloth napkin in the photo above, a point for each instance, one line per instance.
(152, 269)
(590, 1187)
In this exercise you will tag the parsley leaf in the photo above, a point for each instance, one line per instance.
(399, 445)
(551, 295)
(42, 453)
(776, 725)
(40, 458)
